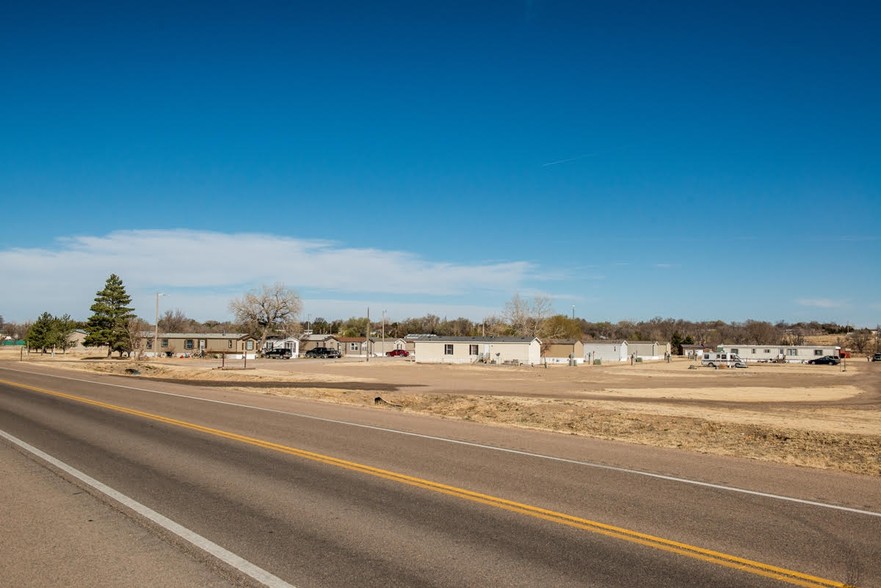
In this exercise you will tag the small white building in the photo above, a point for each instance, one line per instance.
(497, 350)
(785, 353)
(694, 351)
(606, 351)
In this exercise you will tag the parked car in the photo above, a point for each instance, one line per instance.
(397, 353)
(281, 353)
(322, 353)
(876, 357)
(825, 360)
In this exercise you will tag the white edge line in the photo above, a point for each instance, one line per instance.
(489, 447)
(224, 555)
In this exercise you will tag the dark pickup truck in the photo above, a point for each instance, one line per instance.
(323, 353)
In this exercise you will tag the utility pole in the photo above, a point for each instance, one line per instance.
(383, 332)
(156, 327)
(367, 337)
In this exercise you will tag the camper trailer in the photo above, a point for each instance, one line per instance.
(717, 359)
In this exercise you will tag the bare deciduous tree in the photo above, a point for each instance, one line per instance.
(135, 329)
(176, 322)
(494, 326)
(526, 317)
(560, 327)
(758, 332)
(861, 340)
(271, 309)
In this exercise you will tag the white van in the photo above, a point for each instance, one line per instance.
(721, 358)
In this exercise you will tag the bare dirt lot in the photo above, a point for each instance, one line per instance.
(814, 416)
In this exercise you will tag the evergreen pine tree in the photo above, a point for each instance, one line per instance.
(109, 322)
(63, 329)
(41, 334)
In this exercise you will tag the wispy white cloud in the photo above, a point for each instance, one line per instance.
(201, 271)
(820, 302)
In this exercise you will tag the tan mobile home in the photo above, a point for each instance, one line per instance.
(234, 345)
(563, 351)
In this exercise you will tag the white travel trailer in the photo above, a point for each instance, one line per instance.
(722, 358)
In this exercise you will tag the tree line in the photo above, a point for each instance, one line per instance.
(275, 310)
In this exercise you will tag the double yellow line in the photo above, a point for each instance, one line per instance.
(707, 555)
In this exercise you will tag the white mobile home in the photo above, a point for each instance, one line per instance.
(498, 350)
(292, 343)
(411, 338)
(606, 351)
(693, 351)
(781, 353)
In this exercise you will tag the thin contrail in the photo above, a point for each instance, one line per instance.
(576, 158)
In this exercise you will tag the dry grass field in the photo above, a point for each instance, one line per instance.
(813, 416)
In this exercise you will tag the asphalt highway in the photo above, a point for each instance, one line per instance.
(312, 494)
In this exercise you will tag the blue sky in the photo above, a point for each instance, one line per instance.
(697, 160)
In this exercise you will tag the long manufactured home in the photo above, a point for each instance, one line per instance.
(780, 353)
(234, 345)
(498, 350)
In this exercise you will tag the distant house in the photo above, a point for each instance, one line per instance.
(76, 340)
(382, 346)
(75, 344)
(650, 350)
(313, 341)
(784, 353)
(606, 351)
(292, 343)
(234, 345)
(694, 351)
(562, 351)
(498, 350)
(355, 346)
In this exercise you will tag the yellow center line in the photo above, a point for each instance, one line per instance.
(707, 555)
